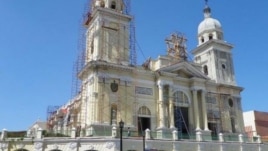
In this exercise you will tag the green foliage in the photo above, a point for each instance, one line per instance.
(51, 134)
(20, 134)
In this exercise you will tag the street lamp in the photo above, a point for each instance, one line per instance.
(121, 126)
(143, 141)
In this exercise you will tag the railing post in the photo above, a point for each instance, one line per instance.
(241, 138)
(65, 130)
(147, 134)
(58, 130)
(73, 133)
(4, 134)
(259, 139)
(89, 131)
(175, 135)
(39, 133)
(221, 137)
(114, 133)
(199, 136)
(29, 133)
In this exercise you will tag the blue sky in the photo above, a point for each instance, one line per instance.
(39, 44)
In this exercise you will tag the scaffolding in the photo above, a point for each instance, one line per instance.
(51, 116)
(81, 58)
(78, 109)
(176, 44)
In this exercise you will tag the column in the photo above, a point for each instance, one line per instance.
(196, 111)
(171, 109)
(161, 106)
(204, 109)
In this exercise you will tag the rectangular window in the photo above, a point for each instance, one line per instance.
(143, 90)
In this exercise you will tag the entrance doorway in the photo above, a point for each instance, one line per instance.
(143, 124)
(213, 128)
(181, 121)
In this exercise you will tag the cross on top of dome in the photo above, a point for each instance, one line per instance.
(207, 10)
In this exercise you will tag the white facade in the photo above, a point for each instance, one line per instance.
(165, 94)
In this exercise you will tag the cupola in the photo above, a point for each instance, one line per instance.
(116, 5)
(209, 28)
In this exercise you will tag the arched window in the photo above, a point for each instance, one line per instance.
(210, 36)
(92, 46)
(205, 69)
(144, 111)
(231, 103)
(202, 39)
(113, 114)
(113, 5)
(180, 99)
(223, 66)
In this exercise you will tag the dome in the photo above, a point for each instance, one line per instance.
(208, 23)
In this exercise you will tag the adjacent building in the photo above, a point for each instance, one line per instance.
(256, 123)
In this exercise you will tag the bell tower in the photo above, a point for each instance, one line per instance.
(107, 36)
(213, 53)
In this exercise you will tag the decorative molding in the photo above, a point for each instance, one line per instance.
(20, 146)
(161, 83)
(55, 146)
(197, 88)
(91, 147)
(109, 145)
(3, 146)
(38, 146)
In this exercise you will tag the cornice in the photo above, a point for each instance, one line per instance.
(219, 85)
(210, 43)
(111, 13)
(173, 76)
(101, 64)
(231, 86)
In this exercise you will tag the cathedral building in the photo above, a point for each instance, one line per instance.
(164, 94)
(169, 103)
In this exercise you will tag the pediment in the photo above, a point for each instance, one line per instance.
(184, 69)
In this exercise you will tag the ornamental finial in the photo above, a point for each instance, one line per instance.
(206, 2)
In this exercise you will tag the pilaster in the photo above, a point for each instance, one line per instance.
(196, 110)
(171, 108)
(204, 110)
(161, 106)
